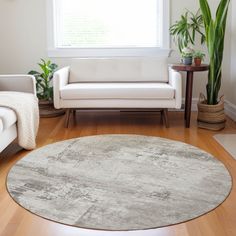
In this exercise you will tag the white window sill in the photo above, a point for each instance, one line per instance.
(107, 52)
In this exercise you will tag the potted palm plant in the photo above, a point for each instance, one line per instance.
(45, 89)
(185, 30)
(211, 109)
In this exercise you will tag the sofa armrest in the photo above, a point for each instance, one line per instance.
(175, 80)
(60, 79)
(18, 83)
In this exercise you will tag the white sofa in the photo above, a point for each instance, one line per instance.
(8, 119)
(117, 83)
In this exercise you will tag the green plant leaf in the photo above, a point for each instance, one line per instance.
(33, 72)
(221, 13)
(53, 67)
(206, 12)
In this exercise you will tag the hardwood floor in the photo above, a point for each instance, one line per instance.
(15, 221)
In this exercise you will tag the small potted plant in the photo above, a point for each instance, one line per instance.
(187, 56)
(198, 57)
(45, 89)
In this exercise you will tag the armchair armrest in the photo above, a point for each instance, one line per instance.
(60, 79)
(18, 83)
(175, 80)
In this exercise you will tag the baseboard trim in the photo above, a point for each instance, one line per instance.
(230, 108)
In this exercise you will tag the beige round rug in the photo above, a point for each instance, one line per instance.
(119, 182)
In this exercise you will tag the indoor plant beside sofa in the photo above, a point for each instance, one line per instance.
(186, 29)
(211, 109)
(45, 88)
(198, 57)
(187, 56)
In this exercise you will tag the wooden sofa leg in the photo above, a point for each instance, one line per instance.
(165, 117)
(74, 116)
(67, 119)
(162, 116)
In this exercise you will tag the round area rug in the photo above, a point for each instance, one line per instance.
(119, 182)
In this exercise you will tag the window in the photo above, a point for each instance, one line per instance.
(107, 27)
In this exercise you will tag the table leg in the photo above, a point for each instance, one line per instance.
(188, 97)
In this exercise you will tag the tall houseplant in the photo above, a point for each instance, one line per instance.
(215, 35)
(211, 110)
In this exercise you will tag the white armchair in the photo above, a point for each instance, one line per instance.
(8, 119)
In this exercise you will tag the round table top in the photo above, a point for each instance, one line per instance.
(182, 67)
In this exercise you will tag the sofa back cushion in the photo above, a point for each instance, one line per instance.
(149, 69)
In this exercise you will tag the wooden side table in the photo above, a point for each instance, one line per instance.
(190, 69)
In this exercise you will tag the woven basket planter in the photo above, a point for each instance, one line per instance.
(211, 117)
(47, 110)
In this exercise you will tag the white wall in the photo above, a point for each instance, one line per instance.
(232, 78)
(22, 34)
(23, 39)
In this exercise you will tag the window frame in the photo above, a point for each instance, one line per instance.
(54, 51)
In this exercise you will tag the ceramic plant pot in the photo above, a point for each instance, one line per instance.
(197, 61)
(187, 60)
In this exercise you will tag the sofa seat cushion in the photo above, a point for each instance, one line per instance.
(117, 91)
(7, 118)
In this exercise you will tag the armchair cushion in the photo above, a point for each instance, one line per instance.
(117, 91)
(7, 118)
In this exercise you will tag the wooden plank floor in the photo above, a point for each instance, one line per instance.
(15, 221)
